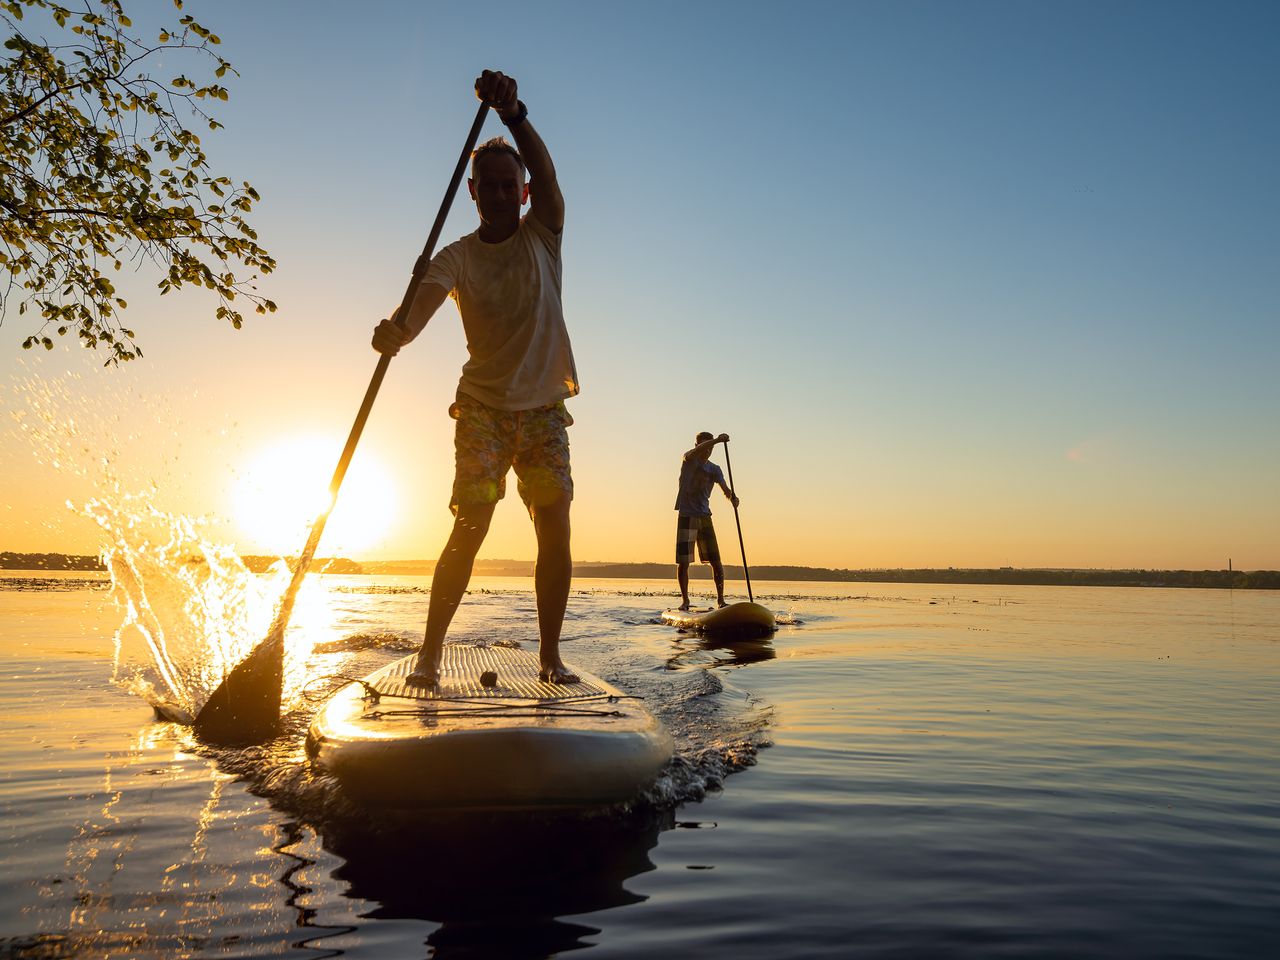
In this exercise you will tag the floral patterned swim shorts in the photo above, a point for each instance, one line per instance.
(488, 442)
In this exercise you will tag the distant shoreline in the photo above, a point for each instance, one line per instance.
(1016, 576)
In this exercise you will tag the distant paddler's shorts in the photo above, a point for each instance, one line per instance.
(488, 442)
(690, 530)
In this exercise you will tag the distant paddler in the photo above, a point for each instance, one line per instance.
(698, 476)
(745, 620)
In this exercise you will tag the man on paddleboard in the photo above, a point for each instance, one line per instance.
(693, 525)
(505, 278)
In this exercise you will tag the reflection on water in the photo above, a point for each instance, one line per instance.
(691, 649)
(109, 890)
(738, 653)
(176, 860)
(498, 885)
(293, 836)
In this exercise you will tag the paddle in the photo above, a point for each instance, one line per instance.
(738, 521)
(245, 708)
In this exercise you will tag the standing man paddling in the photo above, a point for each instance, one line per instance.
(505, 278)
(693, 525)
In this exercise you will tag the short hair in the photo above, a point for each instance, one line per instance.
(495, 145)
(703, 437)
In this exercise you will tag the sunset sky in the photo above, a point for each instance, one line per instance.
(971, 284)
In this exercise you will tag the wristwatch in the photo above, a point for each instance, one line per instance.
(518, 119)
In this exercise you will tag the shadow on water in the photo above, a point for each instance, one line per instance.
(498, 886)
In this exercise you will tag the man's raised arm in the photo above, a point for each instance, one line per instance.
(705, 446)
(546, 202)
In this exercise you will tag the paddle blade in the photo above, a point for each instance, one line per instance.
(245, 708)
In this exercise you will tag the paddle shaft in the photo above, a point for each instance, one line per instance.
(406, 304)
(738, 520)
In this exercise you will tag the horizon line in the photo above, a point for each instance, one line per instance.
(663, 563)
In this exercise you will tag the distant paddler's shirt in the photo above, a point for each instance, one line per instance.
(509, 296)
(697, 479)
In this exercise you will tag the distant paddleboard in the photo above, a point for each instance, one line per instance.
(742, 621)
(511, 742)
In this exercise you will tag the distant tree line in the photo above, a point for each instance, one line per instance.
(65, 561)
(48, 561)
(1213, 579)
(1219, 579)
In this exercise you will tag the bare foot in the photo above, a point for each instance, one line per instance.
(683, 606)
(558, 673)
(722, 603)
(425, 673)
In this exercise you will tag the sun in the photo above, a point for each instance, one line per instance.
(284, 487)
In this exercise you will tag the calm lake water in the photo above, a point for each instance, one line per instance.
(906, 770)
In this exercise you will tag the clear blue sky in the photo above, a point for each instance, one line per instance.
(970, 284)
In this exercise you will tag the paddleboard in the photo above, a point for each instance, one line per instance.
(743, 621)
(510, 742)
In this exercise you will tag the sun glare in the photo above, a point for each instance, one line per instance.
(284, 487)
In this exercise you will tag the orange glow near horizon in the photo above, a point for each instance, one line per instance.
(284, 488)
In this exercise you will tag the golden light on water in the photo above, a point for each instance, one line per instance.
(284, 487)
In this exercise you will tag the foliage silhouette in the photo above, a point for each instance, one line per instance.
(98, 167)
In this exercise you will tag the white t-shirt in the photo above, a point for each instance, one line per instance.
(509, 296)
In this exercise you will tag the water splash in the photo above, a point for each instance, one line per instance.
(191, 608)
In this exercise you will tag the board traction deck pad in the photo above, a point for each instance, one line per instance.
(460, 670)
(519, 744)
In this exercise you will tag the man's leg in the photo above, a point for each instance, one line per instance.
(717, 571)
(682, 577)
(686, 533)
(709, 551)
(448, 584)
(551, 578)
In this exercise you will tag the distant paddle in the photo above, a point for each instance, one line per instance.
(245, 708)
(736, 519)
